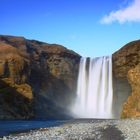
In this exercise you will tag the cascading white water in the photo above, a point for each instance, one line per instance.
(94, 89)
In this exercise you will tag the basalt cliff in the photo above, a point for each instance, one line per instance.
(38, 80)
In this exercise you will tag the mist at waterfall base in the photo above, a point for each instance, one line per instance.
(94, 89)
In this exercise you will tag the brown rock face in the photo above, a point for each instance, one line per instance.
(37, 80)
(126, 58)
(126, 65)
(132, 106)
(15, 93)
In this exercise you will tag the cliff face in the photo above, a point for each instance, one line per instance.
(126, 70)
(37, 80)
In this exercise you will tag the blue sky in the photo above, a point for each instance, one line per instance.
(89, 27)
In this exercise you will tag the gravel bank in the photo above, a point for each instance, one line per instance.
(85, 130)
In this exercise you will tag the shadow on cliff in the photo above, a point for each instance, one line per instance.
(122, 90)
(52, 97)
(13, 105)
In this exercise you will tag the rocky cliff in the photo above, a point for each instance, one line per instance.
(37, 80)
(126, 71)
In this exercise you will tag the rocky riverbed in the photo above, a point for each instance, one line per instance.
(127, 129)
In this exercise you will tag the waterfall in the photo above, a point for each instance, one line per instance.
(94, 88)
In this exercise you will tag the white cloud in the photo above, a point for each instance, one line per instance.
(129, 14)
